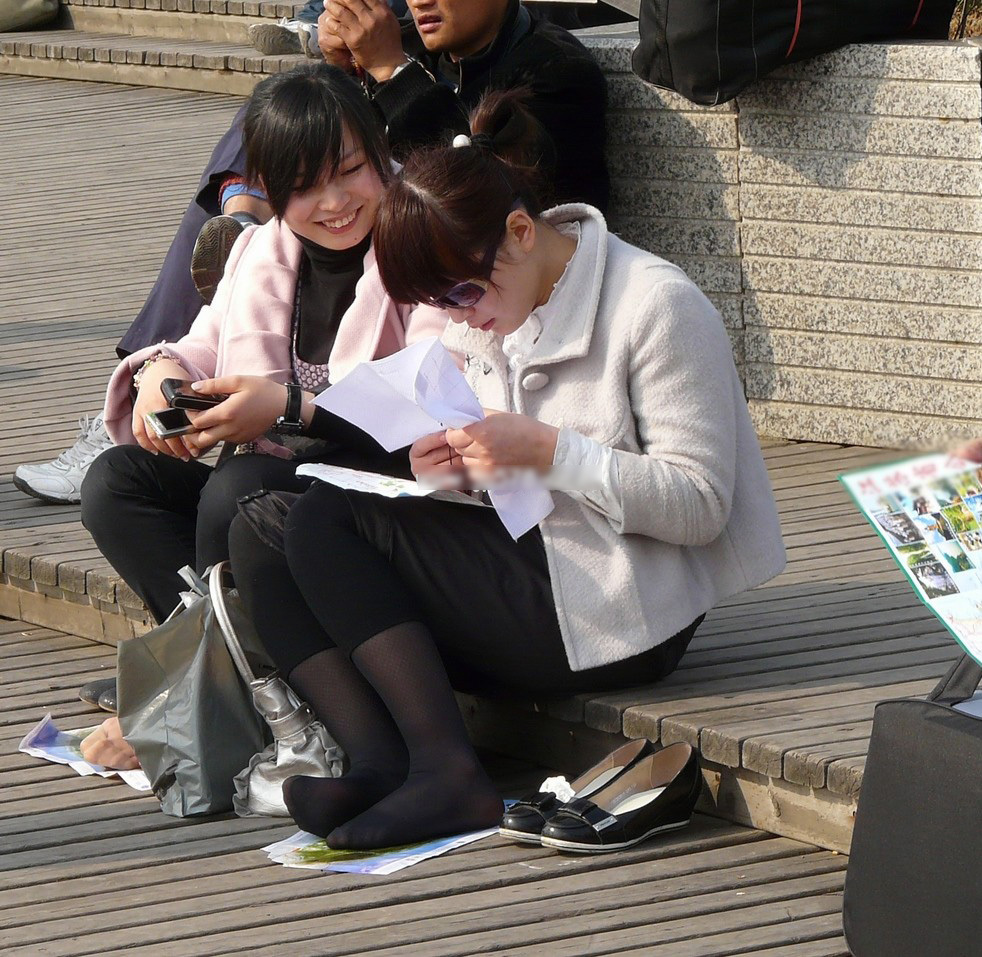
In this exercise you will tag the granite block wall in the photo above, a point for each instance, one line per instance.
(834, 214)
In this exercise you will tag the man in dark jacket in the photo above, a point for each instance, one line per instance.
(424, 76)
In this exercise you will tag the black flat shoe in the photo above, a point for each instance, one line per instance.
(107, 700)
(92, 692)
(656, 795)
(523, 821)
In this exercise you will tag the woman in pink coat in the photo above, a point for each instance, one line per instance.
(301, 303)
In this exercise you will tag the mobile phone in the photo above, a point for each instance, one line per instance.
(169, 422)
(179, 395)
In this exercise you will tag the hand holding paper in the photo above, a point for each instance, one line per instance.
(415, 393)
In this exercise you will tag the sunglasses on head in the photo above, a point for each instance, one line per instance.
(464, 295)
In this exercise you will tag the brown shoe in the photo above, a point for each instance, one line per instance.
(275, 39)
(212, 248)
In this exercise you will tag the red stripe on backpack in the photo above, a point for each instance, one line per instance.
(797, 27)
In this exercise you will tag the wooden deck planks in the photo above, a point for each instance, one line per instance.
(91, 867)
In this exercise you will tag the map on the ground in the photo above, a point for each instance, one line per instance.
(308, 851)
(928, 510)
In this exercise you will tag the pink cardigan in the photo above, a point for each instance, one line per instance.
(247, 328)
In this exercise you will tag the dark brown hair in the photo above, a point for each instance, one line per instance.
(294, 130)
(442, 219)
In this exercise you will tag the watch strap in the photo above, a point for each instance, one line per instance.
(290, 422)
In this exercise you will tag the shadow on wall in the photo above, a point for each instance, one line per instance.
(675, 186)
(806, 134)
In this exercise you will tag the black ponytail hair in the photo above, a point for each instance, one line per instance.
(294, 130)
(442, 219)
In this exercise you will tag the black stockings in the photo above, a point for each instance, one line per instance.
(413, 774)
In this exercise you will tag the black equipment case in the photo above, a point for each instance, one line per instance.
(914, 880)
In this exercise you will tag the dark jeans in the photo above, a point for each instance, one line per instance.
(173, 302)
(151, 515)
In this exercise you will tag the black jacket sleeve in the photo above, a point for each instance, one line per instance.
(360, 449)
(417, 110)
(332, 428)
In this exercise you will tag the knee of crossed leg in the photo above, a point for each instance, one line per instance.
(320, 514)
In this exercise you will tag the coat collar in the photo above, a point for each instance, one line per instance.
(571, 312)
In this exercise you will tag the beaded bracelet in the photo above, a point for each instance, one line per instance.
(138, 375)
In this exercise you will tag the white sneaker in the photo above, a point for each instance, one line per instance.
(60, 481)
(308, 40)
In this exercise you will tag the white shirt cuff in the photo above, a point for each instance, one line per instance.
(587, 471)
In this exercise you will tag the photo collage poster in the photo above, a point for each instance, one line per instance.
(929, 512)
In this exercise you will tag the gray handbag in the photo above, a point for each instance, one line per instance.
(183, 707)
(300, 745)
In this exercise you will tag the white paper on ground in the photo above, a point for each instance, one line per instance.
(416, 392)
(46, 741)
(307, 851)
(972, 706)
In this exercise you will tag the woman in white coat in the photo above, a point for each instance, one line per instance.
(605, 372)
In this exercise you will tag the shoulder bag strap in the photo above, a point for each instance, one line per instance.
(225, 623)
(959, 684)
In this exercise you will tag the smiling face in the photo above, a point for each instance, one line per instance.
(338, 211)
(458, 27)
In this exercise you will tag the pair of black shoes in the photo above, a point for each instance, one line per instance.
(629, 796)
(101, 693)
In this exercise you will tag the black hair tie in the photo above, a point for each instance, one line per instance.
(482, 141)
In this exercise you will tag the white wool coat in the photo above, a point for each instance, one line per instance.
(635, 357)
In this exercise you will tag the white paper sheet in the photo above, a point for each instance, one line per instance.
(405, 396)
(417, 392)
(307, 851)
(378, 484)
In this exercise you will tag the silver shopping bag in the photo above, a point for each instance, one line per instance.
(300, 745)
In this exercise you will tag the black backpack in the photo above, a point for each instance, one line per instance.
(709, 50)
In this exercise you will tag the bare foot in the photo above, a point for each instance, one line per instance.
(107, 747)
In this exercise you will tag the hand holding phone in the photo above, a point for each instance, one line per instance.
(168, 423)
(179, 395)
(150, 399)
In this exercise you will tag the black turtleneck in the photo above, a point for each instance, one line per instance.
(327, 288)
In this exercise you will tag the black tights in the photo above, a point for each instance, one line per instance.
(412, 772)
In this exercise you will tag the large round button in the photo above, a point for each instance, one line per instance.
(535, 381)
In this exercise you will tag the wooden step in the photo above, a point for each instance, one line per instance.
(171, 62)
(222, 21)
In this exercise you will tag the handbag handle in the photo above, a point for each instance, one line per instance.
(961, 682)
(225, 623)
